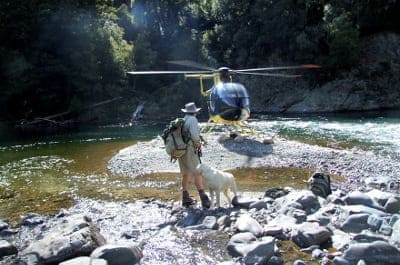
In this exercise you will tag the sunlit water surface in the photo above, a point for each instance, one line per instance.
(45, 174)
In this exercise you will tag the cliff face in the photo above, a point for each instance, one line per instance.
(373, 84)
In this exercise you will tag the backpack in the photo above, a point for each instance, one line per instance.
(174, 138)
(320, 184)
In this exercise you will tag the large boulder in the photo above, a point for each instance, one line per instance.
(306, 199)
(71, 237)
(118, 254)
(308, 234)
(378, 252)
(245, 223)
(254, 252)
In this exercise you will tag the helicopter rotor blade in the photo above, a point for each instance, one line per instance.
(268, 74)
(192, 64)
(166, 72)
(303, 66)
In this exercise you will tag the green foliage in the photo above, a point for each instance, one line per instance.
(65, 55)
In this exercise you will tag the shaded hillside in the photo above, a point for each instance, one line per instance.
(61, 57)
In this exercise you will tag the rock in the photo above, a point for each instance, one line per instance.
(287, 222)
(237, 244)
(340, 239)
(352, 209)
(276, 192)
(118, 254)
(258, 205)
(385, 229)
(395, 237)
(272, 230)
(32, 219)
(374, 222)
(260, 252)
(245, 223)
(357, 197)
(210, 222)
(242, 203)
(368, 238)
(7, 249)
(308, 201)
(84, 261)
(3, 225)
(317, 254)
(380, 196)
(308, 234)
(299, 215)
(71, 237)
(223, 221)
(392, 205)
(276, 260)
(254, 252)
(378, 252)
(30, 259)
(355, 223)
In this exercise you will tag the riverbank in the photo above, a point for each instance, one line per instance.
(277, 226)
(359, 167)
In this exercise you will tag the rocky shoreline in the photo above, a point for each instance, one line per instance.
(358, 224)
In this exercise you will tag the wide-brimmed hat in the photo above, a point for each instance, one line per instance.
(190, 108)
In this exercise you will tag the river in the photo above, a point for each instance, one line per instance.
(45, 173)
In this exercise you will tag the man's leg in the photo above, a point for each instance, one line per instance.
(186, 199)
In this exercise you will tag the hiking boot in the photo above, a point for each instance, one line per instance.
(205, 201)
(186, 199)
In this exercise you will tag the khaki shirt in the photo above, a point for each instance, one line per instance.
(192, 126)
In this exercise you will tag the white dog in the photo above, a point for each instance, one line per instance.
(217, 181)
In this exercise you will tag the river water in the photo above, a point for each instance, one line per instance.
(45, 173)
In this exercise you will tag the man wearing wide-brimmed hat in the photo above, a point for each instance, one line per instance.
(189, 161)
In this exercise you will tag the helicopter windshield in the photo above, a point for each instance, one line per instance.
(228, 97)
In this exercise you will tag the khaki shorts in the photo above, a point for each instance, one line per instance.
(189, 161)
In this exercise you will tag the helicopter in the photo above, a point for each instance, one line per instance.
(228, 102)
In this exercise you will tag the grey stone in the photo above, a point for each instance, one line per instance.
(223, 221)
(395, 237)
(260, 204)
(30, 259)
(380, 196)
(84, 261)
(260, 251)
(378, 252)
(118, 254)
(340, 239)
(393, 205)
(7, 249)
(385, 229)
(237, 243)
(368, 238)
(245, 223)
(32, 219)
(374, 222)
(272, 230)
(3, 225)
(71, 237)
(318, 254)
(355, 223)
(357, 197)
(276, 260)
(308, 234)
(210, 222)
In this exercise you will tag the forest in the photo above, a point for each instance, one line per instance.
(65, 56)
